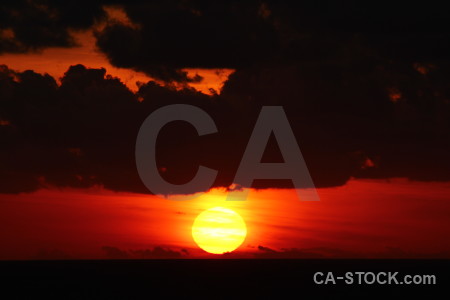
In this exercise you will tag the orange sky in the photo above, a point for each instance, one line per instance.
(366, 218)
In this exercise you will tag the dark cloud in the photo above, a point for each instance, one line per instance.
(67, 135)
(344, 115)
(155, 253)
(188, 34)
(33, 25)
(158, 252)
(173, 35)
(115, 253)
(366, 92)
(83, 132)
(335, 69)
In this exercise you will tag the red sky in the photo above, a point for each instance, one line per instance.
(367, 218)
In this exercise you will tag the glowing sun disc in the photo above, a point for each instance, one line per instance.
(218, 230)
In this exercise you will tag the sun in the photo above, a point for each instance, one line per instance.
(218, 230)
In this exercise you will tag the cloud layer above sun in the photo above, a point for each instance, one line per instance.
(365, 90)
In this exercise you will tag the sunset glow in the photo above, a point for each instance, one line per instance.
(369, 111)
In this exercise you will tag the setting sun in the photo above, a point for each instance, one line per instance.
(219, 230)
